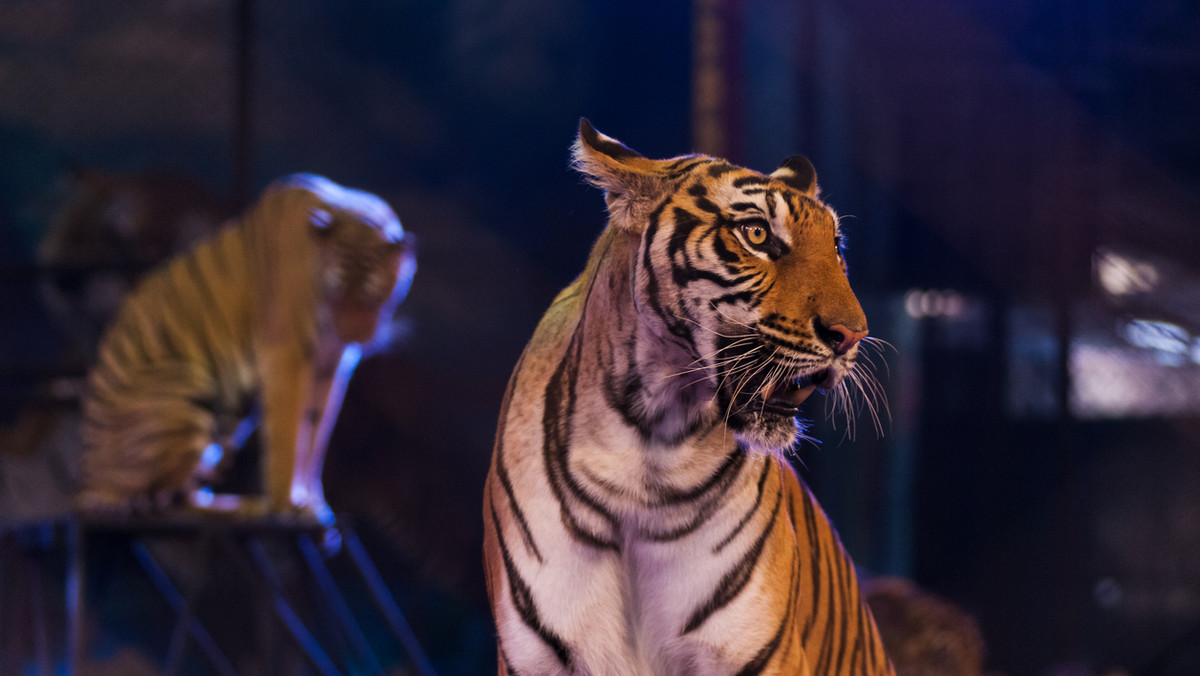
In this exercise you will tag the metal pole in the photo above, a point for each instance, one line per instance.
(387, 604)
(337, 602)
(242, 109)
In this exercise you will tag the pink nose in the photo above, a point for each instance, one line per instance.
(840, 337)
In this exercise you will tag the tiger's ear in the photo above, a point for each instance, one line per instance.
(797, 172)
(632, 184)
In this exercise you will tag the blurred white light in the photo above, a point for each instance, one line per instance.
(934, 303)
(1154, 335)
(1121, 276)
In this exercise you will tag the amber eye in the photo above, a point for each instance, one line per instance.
(755, 234)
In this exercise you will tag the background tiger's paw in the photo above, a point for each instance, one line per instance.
(237, 506)
(319, 512)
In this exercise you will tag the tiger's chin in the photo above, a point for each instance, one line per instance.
(767, 431)
(769, 420)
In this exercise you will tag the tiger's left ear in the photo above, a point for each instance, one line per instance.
(797, 172)
(632, 184)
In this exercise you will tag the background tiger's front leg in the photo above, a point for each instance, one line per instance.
(287, 386)
(328, 393)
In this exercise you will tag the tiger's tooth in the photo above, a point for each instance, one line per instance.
(767, 391)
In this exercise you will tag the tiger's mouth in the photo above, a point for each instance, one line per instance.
(786, 396)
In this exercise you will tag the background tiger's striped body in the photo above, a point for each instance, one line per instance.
(638, 516)
(270, 311)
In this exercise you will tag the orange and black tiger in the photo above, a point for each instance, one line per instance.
(269, 314)
(640, 517)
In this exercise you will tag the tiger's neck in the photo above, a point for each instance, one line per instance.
(651, 377)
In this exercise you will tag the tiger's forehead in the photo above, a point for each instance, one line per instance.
(744, 193)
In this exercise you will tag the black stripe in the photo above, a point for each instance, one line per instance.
(814, 563)
(843, 607)
(720, 482)
(558, 413)
(764, 655)
(609, 147)
(675, 242)
(137, 338)
(724, 253)
(685, 165)
(522, 600)
(502, 468)
(151, 438)
(751, 179)
(762, 480)
(508, 667)
(750, 297)
(737, 578)
(182, 309)
(705, 204)
(729, 466)
(556, 445)
(685, 276)
(201, 282)
(719, 169)
(858, 658)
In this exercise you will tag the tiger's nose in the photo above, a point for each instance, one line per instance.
(839, 337)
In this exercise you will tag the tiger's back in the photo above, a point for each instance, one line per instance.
(639, 518)
(170, 378)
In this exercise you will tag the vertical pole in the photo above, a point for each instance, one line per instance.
(76, 578)
(242, 118)
(386, 603)
(41, 641)
(716, 77)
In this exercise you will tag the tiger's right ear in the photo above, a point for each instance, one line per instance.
(797, 172)
(632, 184)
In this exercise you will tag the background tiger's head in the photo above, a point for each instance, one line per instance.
(367, 260)
(739, 277)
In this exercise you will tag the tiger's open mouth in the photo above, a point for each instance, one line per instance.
(785, 397)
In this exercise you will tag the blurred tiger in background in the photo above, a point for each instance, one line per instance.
(270, 313)
(640, 516)
(111, 228)
(103, 231)
(925, 634)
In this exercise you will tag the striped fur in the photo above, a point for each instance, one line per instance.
(639, 515)
(268, 314)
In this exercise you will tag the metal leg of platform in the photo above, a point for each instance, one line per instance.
(283, 610)
(74, 593)
(41, 639)
(186, 622)
(337, 602)
(387, 603)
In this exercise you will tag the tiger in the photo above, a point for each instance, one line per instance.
(271, 313)
(111, 228)
(640, 513)
(926, 635)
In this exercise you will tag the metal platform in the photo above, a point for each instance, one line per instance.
(283, 562)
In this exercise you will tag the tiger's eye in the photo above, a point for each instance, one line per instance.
(755, 234)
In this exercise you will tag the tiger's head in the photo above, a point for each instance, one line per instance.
(366, 259)
(740, 287)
